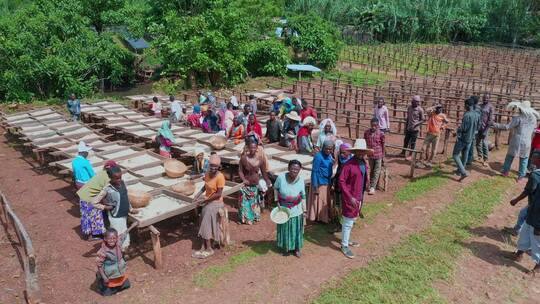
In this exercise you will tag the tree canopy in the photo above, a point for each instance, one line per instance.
(52, 48)
(49, 49)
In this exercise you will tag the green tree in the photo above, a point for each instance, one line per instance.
(314, 40)
(49, 50)
(267, 58)
(207, 48)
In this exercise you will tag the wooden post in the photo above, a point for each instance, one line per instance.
(156, 245)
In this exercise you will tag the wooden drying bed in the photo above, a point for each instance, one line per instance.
(162, 207)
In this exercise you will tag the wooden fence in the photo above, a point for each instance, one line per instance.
(26, 253)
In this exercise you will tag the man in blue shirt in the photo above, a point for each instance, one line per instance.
(465, 136)
(74, 107)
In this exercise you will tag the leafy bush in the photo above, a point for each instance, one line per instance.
(49, 50)
(314, 40)
(267, 58)
(168, 86)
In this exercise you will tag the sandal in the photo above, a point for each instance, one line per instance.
(200, 254)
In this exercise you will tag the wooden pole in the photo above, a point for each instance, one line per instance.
(156, 245)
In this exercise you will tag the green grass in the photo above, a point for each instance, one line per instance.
(358, 77)
(419, 186)
(371, 210)
(209, 276)
(408, 273)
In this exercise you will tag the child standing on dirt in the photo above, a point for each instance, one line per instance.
(435, 125)
(529, 235)
(375, 140)
(111, 275)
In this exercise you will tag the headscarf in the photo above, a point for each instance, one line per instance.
(324, 123)
(199, 166)
(328, 143)
(256, 127)
(309, 121)
(109, 164)
(524, 107)
(197, 109)
(165, 131)
(198, 151)
(344, 146)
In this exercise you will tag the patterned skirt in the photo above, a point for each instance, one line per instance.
(290, 236)
(91, 219)
(249, 209)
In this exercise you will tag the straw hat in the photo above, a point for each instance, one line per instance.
(293, 116)
(280, 97)
(524, 107)
(360, 145)
(280, 215)
(82, 147)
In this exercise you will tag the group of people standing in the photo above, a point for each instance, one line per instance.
(474, 132)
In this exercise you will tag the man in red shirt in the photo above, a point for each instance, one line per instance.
(307, 111)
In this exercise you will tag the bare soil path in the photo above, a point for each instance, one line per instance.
(484, 273)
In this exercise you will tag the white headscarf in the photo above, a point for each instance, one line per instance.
(309, 121)
(324, 123)
(524, 107)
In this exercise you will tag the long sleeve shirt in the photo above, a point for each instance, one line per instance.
(321, 174)
(468, 127)
(382, 115)
(520, 142)
(415, 116)
(375, 140)
(487, 112)
(353, 181)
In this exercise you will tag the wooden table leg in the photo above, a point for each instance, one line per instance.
(154, 233)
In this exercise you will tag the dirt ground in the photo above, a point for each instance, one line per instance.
(484, 273)
(47, 206)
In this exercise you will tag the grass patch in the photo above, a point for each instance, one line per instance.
(371, 210)
(407, 274)
(358, 77)
(421, 185)
(209, 276)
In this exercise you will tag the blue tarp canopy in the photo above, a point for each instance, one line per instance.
(137, 44)
(303, 68)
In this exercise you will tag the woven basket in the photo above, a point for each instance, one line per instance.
(217, 142)
(138, 198)
(186, 188)
(175, 168)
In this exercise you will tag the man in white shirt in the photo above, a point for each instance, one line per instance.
(176, 109)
